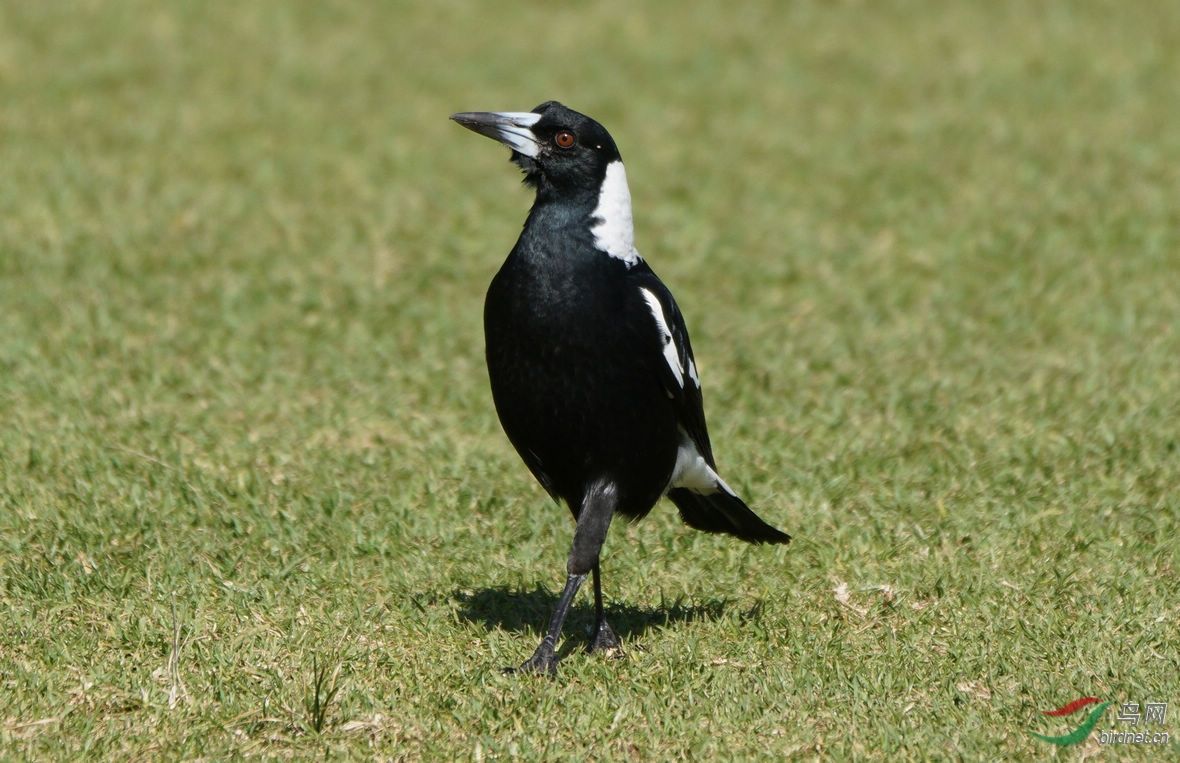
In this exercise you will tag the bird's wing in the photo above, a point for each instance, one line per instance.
(664, 332)
(702, 497)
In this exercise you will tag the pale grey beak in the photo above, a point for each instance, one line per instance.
(509, 127)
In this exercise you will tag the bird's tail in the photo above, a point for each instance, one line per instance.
(722, 512)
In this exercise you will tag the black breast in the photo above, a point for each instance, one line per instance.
(575, 392)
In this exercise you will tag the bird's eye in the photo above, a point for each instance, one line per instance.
(564, 139)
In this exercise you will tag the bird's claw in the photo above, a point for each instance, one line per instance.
(606, 643)
(543, 662)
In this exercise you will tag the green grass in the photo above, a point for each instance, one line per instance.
(930, 256)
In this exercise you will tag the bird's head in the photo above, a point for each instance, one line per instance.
(562, 152)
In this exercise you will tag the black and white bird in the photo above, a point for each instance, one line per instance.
(591, 369)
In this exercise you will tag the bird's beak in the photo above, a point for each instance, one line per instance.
(509, 127)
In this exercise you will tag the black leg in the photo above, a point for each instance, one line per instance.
(598, 507)
(544, 660)
(599, 614)
(604, 639)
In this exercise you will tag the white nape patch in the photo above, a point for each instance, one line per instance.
(693, 472)
(514, 131)
(692, 373)
(670, 354)
(614, 232)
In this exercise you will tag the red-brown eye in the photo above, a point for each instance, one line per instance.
(564, 139)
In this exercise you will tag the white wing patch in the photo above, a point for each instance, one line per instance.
(614, 231)
(693, 472)
(692, 373)
(670, 355)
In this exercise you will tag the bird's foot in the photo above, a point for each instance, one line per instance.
(543, 662)
(606, 643)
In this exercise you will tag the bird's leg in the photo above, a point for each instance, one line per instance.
(544, 660)
(598, 507)
(604, 639)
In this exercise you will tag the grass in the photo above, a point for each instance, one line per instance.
(253, 495)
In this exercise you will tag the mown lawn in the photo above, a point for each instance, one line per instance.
(930, 256)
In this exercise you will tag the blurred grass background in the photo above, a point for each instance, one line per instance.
(929, 256)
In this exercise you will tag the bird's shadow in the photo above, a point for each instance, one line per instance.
(528, 612)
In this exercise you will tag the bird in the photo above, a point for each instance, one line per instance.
(591, 369)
